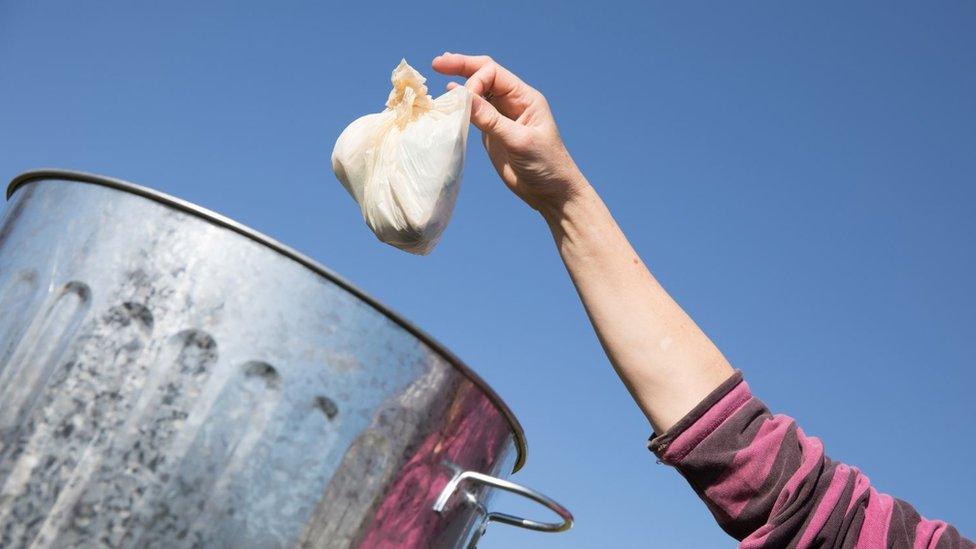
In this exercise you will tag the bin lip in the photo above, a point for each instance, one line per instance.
(307, 262)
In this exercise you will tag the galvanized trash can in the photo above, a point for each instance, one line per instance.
(171, 378)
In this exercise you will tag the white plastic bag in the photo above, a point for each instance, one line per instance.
(403, 165)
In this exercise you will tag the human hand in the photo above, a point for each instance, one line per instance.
(518, 131)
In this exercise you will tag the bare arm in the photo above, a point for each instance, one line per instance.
(701, 412)
(663, 358)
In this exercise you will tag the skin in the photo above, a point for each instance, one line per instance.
(666, 362)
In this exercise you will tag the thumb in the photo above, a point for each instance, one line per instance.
(486, 118)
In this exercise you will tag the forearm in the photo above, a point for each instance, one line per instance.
(665, 361)
(663, 358)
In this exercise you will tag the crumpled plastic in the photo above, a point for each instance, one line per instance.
(403, 165)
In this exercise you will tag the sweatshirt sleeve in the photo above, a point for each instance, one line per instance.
(770, 485)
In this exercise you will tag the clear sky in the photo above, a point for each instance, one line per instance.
(801, 178)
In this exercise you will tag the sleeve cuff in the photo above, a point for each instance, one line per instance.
(658, 444)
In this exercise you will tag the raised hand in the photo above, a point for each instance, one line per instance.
(518, 131)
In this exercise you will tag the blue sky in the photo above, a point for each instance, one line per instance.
(802, 179)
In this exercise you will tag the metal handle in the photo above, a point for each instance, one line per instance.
(514, 488)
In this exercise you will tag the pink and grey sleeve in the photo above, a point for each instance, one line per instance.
(770, 485)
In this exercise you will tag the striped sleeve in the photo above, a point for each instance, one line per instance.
(770, 485)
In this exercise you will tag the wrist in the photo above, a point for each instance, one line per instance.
(576, 196)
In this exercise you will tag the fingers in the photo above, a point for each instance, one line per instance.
(485, 77)
(456, 64)
(487, 119)
(483, 74)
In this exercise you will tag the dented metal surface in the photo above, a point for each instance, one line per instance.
(169, 381)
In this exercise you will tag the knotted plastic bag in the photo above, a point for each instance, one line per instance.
(403, 165)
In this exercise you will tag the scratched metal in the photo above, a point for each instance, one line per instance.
(167, 382)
